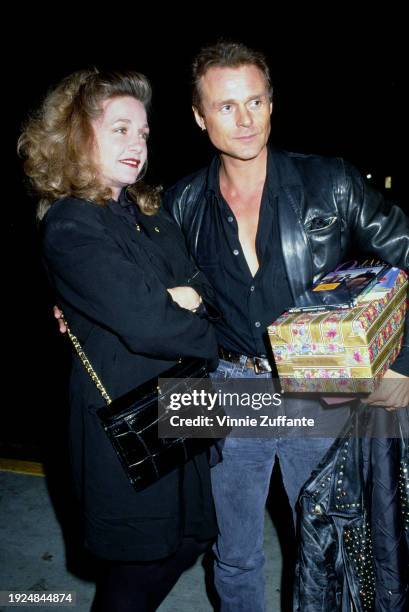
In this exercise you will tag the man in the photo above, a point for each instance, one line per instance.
(263, 225)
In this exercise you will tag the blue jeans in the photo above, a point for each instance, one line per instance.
(240, 488)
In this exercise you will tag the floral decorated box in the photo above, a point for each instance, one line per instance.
(341, 350)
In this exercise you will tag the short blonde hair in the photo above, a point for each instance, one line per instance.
(57, 140)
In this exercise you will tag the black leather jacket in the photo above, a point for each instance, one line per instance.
(354, 522)
(324, 207)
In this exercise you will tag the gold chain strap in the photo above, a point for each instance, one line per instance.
(86, 363)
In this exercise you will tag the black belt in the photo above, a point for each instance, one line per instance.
(260, 365)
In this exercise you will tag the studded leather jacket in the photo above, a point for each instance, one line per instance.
(324, 208)
(354, 522)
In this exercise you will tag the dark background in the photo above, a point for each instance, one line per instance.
(339, 90)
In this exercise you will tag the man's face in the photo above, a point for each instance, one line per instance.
(235, 110)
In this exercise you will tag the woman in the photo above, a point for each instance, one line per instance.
(130, 294)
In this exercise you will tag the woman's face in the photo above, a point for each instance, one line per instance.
(121, 133)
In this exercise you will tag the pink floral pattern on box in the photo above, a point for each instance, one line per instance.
(345, 358)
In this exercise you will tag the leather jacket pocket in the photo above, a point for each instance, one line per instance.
(324, 237)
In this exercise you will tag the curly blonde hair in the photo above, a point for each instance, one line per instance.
(57, 140)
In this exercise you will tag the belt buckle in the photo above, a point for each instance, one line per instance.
(261, 365)
(256, 366)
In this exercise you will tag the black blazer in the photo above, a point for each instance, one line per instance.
(110, 277)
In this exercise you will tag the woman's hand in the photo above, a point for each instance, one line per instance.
(186, 297)
(58, 315)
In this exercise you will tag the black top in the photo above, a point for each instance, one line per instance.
(249, 304)
(153, 243)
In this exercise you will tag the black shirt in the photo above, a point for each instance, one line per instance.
(147, 225)
(248, 304)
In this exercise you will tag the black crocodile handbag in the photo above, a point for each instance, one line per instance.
(132, 421)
